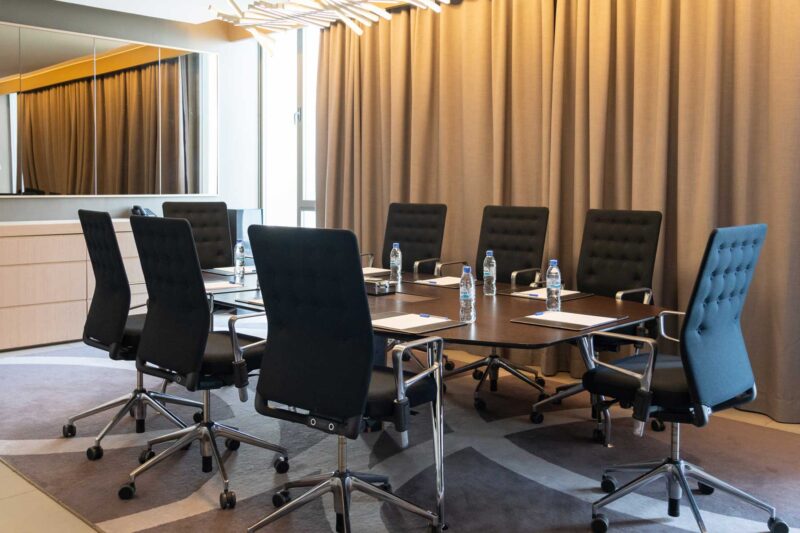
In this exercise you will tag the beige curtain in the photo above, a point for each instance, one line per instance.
(688, 107)
(56, 138)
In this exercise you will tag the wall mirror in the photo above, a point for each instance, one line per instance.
(83, 115)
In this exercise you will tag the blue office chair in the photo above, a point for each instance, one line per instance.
(712, 373)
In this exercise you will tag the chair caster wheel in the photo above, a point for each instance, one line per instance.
(599, 523)
(281, 465)
(449, 365)
(197, 417)
(657, 425)
(94, 453)
(599, 436)
(232, 444)
(479, 404)
(674, 507)
(477, 375)
(139, 426)
(279, 499)
(537, 418)
(145, 456)
(68, 431)
(436, 529)
(542, 397)
(227, 499)
(776, 525)
(126, 492)
(208, 464)
(608, 484)
(493, 385)
(705, 489)
(132, 412)
(540, 381)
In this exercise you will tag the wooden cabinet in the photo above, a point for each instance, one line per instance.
(46, 280)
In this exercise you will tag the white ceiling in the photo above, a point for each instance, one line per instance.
(192, 11)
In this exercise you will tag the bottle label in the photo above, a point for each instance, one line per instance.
(487, 273)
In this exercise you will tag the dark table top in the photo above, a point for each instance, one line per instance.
(493, 326)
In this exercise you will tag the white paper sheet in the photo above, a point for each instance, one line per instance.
(217, 285)
(230, 270)
(541, 293)
(254, 301)
(410, 321)
(372, 271)
(588, 321)
(446, 281)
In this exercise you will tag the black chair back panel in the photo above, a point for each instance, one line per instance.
(176, 329)
(618, 251)
(318, 354)
(210, 228)
(516, 236)
(105, 322)
(419, 228)
(712, 346)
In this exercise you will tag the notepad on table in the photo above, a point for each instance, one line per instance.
(217, 285)
(251, 301)
(408, 322)
(541, 293)
(372, 271)
(563, 320)
(446, 281)
(230, 270)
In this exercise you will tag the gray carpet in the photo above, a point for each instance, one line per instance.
(502, 473)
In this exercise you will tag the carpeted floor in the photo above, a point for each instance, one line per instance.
(502, 473)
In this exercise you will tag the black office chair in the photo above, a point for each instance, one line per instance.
(516, 236)
(210, 228)
(176, 344)
(617, 259)
(419, 228)
(712, 373)
(317, 366)
(109, 327)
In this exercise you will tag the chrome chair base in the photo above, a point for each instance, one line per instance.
(341, 483)
(134, 403)
(206, 432)
(493, 363)
(677, 474)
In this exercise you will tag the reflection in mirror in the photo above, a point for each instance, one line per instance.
(9, 87)
(55, 113)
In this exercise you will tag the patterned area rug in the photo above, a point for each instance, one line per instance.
(502, 473)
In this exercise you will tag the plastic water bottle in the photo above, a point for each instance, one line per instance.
(238, 260)
(553, 278)
(396, 263)
(467, 296)
(489, 274)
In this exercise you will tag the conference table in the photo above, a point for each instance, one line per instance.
(493, 326)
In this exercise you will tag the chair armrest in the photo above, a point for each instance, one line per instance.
(646, 291)
(536, 279)
(371, 258)
(423, 261)
(434, 363)
(662, 325)
(240, 367)
(641, 403)
(440, 266)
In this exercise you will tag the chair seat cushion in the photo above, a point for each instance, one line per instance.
(131, 335)
(218, 357)
(669, 386)
(383, 391)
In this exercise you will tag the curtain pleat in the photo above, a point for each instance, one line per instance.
(688, 107)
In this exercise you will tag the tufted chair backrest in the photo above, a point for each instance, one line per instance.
(712, 346)
(618, 251)
(318, 355)
(516, 236)
(210, 228)
(419, 228)
(176, 330)
(105, 322)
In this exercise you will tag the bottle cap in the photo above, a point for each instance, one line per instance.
(467, 269)
(553, 262)
(396, 245)
(489, 253)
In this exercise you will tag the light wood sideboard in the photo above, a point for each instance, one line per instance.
(46, 280)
